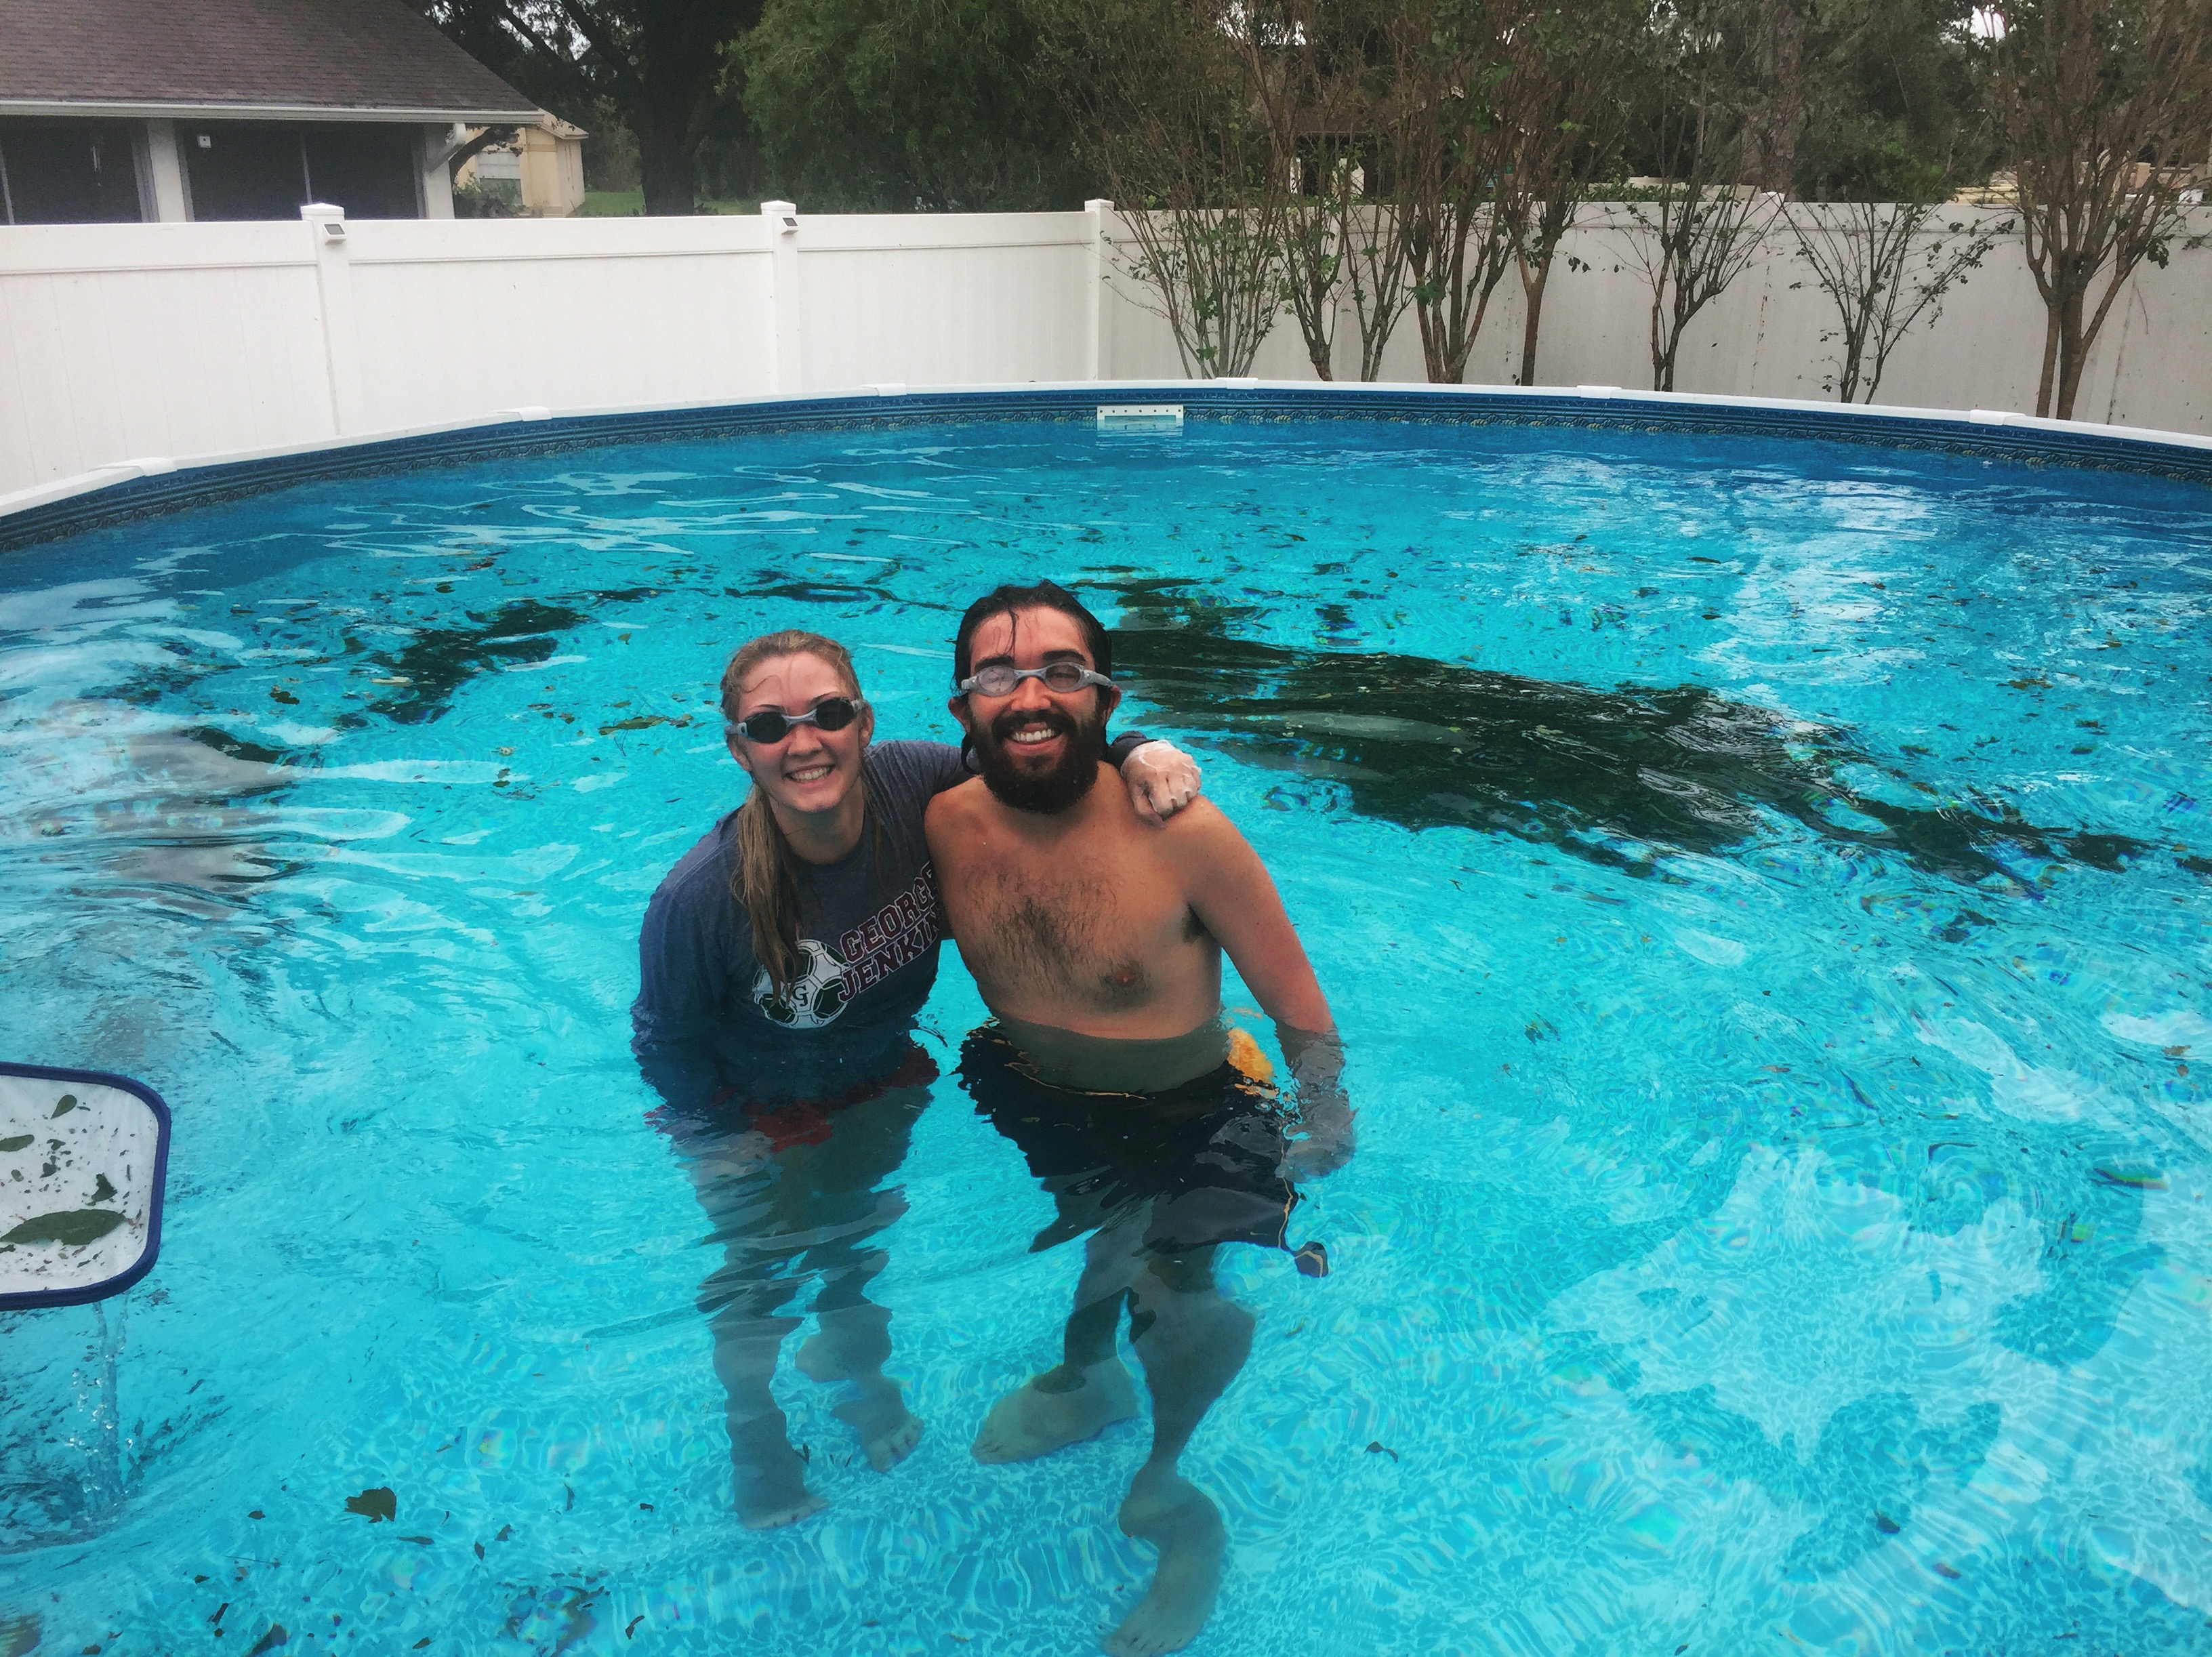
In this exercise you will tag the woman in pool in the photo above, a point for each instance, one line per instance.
(781, 964)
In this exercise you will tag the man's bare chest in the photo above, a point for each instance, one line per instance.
(1104, 942)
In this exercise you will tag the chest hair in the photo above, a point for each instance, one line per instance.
(1064, 940)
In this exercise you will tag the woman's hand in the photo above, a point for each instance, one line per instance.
(1160, 778)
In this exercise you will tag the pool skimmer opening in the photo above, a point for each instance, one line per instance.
(1140, 417)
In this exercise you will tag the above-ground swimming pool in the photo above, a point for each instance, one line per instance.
(1761, 882)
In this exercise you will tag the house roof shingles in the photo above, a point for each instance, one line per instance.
(347, 57)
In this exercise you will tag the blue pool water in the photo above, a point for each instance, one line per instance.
(1762, 886)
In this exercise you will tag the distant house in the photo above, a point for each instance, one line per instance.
(541, 167)
(117, 110)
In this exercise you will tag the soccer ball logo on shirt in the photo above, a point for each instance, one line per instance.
(816, 995)
(903, 931)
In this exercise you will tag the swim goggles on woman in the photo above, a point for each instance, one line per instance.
(772, 725)
(999, 680)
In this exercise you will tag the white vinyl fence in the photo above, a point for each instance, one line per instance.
(129, 342)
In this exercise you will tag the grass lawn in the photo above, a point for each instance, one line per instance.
(630, 203)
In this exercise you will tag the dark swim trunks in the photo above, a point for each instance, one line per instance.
(1203, 1156)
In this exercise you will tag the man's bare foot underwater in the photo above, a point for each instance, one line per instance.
(1177, 1518)
(1062, 1406)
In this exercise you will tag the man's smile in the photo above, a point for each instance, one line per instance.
(1032, 729)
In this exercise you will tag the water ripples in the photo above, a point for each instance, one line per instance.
(1762, 894)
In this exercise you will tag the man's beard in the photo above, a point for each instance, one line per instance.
(1046, 793)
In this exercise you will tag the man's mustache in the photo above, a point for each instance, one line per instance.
(1053, 719)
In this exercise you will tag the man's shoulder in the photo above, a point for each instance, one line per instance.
(1199, 833)
(959, 803)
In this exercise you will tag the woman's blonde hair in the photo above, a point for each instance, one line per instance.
(766, 879)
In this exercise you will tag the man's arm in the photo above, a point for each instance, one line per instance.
(1229, 889)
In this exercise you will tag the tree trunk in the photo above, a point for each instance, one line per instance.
(2049, 362)
(1532, 287)
(2073, 352)
(1435, 345)
(1661, 368)
(668, 159)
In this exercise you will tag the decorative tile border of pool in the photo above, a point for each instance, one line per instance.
(143, 489)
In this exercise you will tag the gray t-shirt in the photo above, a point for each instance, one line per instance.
(706, 1021)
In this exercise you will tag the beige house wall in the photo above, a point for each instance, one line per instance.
(547, 162)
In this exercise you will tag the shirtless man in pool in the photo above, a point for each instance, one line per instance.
(1097, 943)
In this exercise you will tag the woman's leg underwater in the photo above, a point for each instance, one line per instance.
(846, 1208)
(734, 1176)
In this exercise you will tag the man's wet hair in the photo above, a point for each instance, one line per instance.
(1045, 595)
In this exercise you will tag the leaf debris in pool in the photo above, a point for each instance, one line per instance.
(377, 1501)
(64, 1105)
(72, 1227)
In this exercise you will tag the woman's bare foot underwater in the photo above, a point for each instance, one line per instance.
(877, 1414)
(1063, 1406)
(771, 1479)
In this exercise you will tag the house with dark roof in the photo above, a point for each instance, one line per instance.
(119, 110)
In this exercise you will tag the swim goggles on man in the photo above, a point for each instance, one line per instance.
(999, 680)
(773, 725)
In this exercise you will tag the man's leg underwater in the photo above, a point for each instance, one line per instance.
(1089, 1389)
(1193, 1343)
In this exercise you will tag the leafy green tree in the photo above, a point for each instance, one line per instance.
(1703, 129)
(1162, 108)
(2104, 105)
(1896, 125)
(1325, 77)
(1465, 96)
(1574, 53)
(1896, 112)
(660, 64)
(894, 105)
